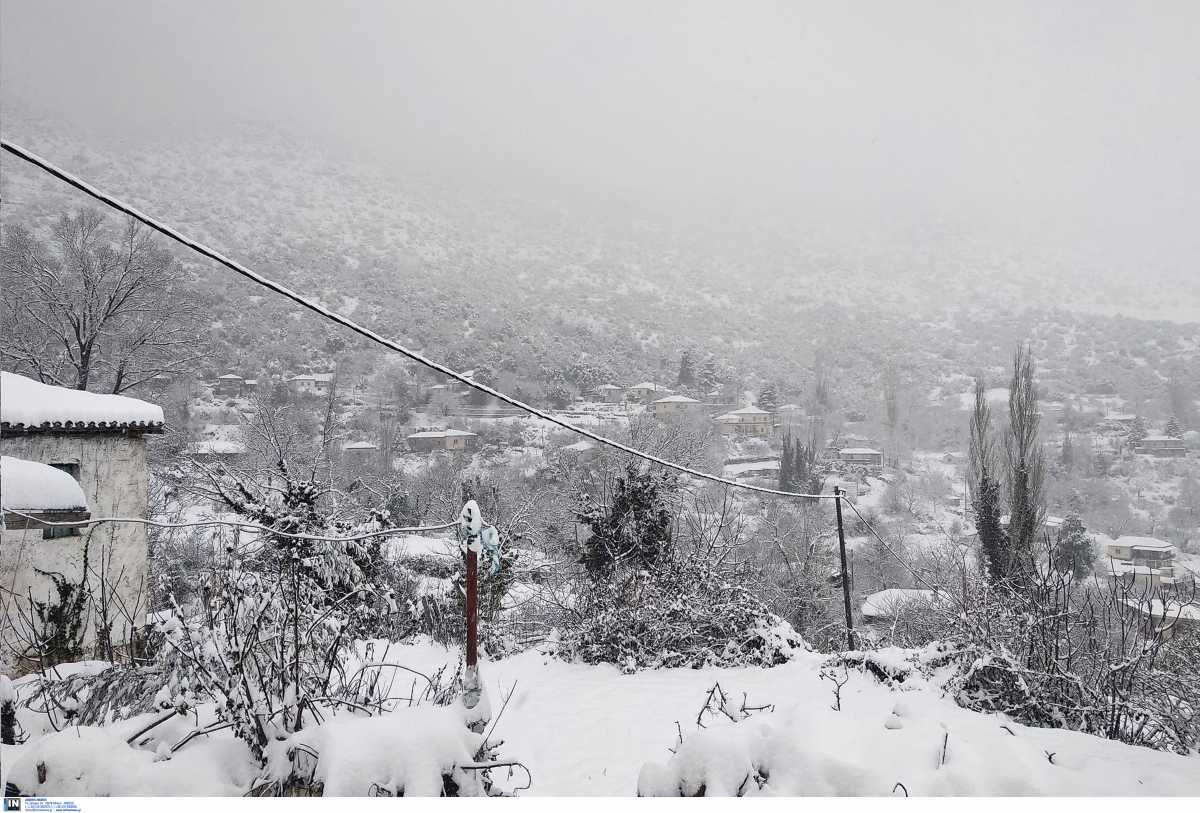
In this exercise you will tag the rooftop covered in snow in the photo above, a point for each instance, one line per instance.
(442, 433)
(31, 406)
(886, 603)
(36, 487)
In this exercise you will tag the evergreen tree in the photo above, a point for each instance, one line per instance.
(687, 370)
(1068, 452)
(1073, 550)
(985, 487)
(785, 464)
(768, 397)
(633, 530)
(1025, 464)
(708, 379)
(1137, 432)
(1173, 429)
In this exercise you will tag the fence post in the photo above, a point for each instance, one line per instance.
(837, 503)
(473, 695)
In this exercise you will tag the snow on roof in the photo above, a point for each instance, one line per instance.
(676, 399)
(581, 446)
(1169, 612)
(1161, 438)
(749, 410)
(303, 377)
(29, 486)
(885, 603)
(1049, 521)
(359, 444)
(646, 385)
(608, 387)
(229, 377)
(30, 405)
(1144, 542)
(859, 450)
(442, 433)
(216, 446)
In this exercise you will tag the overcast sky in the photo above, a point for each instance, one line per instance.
(1084, 116)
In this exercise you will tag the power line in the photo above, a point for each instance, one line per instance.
(225, 523)
(238, 268)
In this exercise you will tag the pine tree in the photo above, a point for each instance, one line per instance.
(708, 379)
(634, 529)
(1173, 429)
(687, 370)
(1137, 432)
(1073, 550)
(768, 397)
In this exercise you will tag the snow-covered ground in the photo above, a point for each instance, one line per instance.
(590, 730)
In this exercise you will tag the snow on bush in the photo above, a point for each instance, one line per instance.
(87, 761)
(678, 613)
(409, 752)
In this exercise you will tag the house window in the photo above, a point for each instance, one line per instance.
(70, 468)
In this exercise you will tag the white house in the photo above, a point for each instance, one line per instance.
(311, 383)
(645, 392)
(748, 421)
(99, 441)
(1144, 560)
(448, 439)
(677, 406)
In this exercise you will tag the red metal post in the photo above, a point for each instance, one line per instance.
(472, 604)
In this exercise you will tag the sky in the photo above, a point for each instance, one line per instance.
(1077, 119)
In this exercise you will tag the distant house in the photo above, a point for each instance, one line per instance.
(442, 439)
(311, 383)
(861, 456)
(748, 421)
(1143, 560)
(677, 406)
(608, 394)
(214, 449)
(99, 441)
(887, 606)
(645, 392)
(229, 386)
(1050, 524)
(360, 453)
(1161, 446)
(1166, 618)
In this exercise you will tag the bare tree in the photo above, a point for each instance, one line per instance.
(90, 310)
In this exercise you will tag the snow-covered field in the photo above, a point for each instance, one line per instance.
(590, 730)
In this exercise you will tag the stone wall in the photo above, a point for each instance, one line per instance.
(114, 476)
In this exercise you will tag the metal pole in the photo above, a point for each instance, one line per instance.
(472, 605)
(837, 503)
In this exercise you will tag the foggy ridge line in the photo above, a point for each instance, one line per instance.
(238, 268)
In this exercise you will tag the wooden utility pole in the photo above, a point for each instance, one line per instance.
(837, 503)
(473, 697)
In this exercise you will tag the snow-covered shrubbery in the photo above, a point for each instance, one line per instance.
(677, 613)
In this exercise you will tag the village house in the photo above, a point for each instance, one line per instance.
(677, 406)
(746, 422)
(645, 392)
(452, 440)
(894, 605)
(1161, 446)
(1050, 524)
(608, 394)
(229, 385)
(311, 383)
(99, 441)
(861, 456)
(1143, 560)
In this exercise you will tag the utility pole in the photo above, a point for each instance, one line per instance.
(837, 503)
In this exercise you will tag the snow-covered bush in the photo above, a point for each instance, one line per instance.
(680, 612)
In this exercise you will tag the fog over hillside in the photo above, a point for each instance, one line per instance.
(946, 148)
